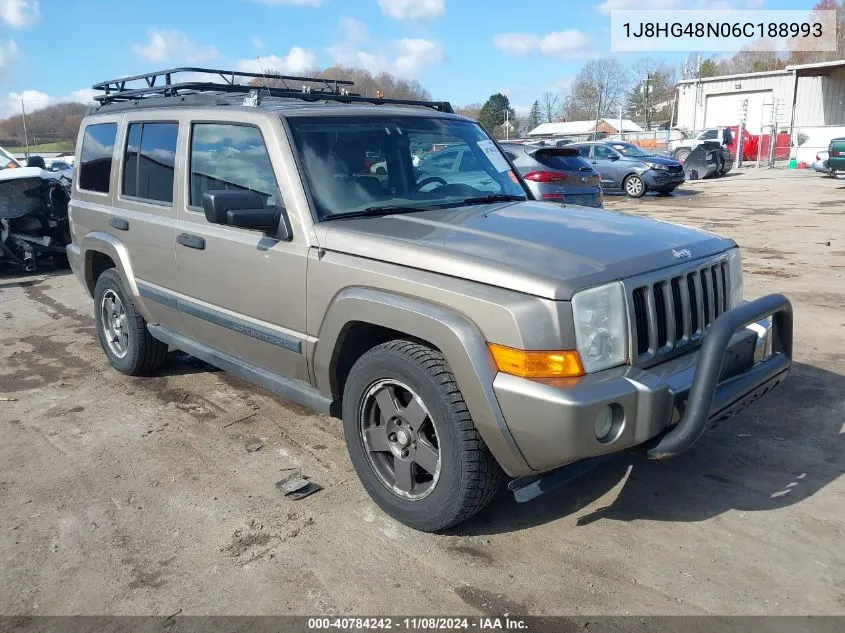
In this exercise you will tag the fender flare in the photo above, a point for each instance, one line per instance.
(102, 242)
(454, 335)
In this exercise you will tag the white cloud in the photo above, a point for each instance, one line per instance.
(569, 43)
(354, 30)
(8, 52)
(19, 13)
(412, 9)
(35, 100)
(613, 5)
(416, 53)
(297, 61)
(167, 44)
(404, 57)
(296, 3)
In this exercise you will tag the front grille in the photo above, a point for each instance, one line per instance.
(674, 312)
(675, 169)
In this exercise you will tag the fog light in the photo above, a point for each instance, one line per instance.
(604, 423)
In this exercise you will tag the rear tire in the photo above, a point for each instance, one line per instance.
(634, 186)
(122, 331)
(401, 406)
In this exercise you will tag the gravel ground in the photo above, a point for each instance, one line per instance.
(137, 496)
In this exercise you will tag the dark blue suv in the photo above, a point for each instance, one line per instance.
(632, 169)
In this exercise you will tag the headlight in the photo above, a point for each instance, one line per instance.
(735, 270)
(601, 326)
(655, 165)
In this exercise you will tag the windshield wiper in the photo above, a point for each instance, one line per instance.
(373, 212)
(495, 197)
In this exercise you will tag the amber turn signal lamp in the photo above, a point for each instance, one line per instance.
(536, 364)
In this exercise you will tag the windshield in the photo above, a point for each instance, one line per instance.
(354, 164)
(629, 149)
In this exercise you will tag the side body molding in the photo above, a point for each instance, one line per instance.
(453, 334)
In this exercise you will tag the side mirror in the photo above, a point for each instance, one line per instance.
(613, 157)
(246, 210)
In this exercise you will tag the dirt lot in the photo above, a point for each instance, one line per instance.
(136, 496)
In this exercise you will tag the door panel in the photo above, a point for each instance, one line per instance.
(145, 216)
(243, 291)
(609, 169)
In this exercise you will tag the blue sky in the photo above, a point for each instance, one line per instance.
(461, 50)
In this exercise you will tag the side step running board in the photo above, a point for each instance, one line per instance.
(283, 387)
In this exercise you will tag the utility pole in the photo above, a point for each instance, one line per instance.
(25, 136)
(598, 116)
(647, 101)
(740, 130)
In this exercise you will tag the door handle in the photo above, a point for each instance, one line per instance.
(119, 223)
(191, 241)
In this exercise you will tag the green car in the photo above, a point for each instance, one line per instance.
(836, 153)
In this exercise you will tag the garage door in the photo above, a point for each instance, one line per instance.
(724, 109)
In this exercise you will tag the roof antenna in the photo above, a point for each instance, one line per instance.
(266, 80)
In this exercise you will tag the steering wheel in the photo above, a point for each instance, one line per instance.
(427, 181)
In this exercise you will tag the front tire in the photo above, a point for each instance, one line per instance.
(411, 439)
(122, 331)
(634, 186)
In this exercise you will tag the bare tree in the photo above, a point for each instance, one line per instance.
(471, 111)
(653, 90)
(598, 90)
(366, 83)
(550, 103)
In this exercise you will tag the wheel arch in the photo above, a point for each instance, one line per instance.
(360, 318)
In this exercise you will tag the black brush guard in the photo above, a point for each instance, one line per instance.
(708, 400)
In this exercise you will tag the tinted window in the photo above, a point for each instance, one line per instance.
(555, 161)
(604, 152)
(709, 134)
(158, 160)
(130, 160)
(234, 157)
(440, 162)
(469, 162)
(96, 158)
(584, 151)
(150, 160)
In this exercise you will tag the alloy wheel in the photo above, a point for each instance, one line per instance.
(113, 320)
(399, 439)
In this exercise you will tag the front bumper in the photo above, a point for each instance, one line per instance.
(659, 178)
(670, 404)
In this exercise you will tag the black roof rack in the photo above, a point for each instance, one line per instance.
(161, 84)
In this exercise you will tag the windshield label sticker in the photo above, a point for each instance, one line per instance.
(494, 155)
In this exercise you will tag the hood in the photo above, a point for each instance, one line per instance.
(660, 160)
(539, 248)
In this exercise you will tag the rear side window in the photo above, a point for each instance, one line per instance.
(149, 161)
(96, 158)
(584, 151)
(233, 157)
(563, 163)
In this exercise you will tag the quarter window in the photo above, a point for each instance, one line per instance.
(96, 158)
(150, 160)
(232, 157)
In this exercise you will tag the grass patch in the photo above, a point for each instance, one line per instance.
(59, 146)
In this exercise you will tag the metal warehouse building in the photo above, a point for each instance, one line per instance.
(809, 100)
